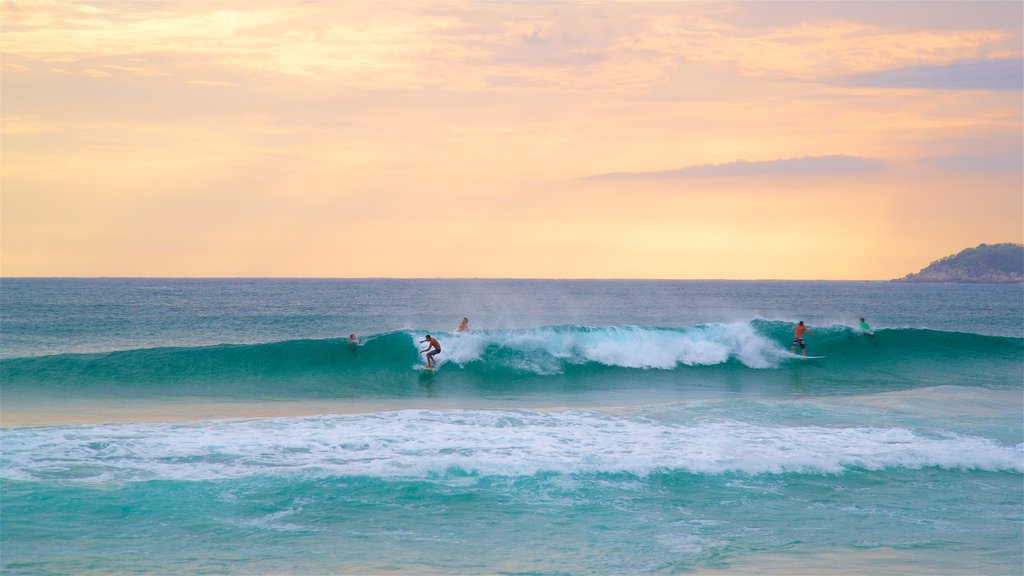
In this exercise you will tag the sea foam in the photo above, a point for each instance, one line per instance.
(430, 444)
(544, 350)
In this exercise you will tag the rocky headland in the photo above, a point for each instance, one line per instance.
(986, 263)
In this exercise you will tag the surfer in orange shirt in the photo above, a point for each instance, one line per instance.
(798, 337)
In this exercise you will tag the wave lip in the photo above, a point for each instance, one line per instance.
(423, 444)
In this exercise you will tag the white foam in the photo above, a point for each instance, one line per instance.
(429, 444)
(542, 350)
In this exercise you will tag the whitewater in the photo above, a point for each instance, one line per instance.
(584, 427)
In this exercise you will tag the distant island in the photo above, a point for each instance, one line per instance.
(986, 263)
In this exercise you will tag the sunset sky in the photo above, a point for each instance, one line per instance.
(771, 140)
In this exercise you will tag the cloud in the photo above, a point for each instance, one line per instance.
(1007, 161)
(805, 166)
(981, 150)
(996, 74)
(482, 46)
(814, 50)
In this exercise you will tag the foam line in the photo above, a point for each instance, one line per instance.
(427, 444)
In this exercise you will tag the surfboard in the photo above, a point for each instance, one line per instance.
(802, 357)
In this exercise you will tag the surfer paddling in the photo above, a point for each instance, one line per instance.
(798, 338)
(433, 349)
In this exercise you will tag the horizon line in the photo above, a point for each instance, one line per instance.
(598, 279)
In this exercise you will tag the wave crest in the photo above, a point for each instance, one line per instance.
(319, 368)
(546, 350)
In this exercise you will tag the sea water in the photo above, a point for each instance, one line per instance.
(579, 427)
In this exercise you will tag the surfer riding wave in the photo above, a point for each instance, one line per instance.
(433, 349)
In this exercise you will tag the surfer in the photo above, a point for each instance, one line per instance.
(353, 341)
(463, 326)
(798, 338)
(433, 348)
(865, 328)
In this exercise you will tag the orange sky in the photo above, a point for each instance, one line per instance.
(833, 140)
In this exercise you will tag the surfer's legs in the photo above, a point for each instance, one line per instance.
(798, 342)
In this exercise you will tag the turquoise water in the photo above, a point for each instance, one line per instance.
(584, 427)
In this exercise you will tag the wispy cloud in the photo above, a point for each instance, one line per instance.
(1000, 161)
(996, 74)
(805, 166)
(813, 50)
(406, 46)
(990, 150)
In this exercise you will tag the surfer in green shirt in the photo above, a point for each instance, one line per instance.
(865, 329)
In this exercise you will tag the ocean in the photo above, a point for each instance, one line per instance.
(175, 426)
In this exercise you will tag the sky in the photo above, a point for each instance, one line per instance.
(351, 139)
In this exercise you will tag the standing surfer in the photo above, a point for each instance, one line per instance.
(433, 348)
(798, 338)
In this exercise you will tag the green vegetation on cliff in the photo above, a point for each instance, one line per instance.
(985, 263)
